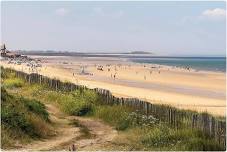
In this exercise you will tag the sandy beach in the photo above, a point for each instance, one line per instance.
(182, 88)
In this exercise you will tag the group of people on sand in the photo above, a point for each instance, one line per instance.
(112, 75)
(32, 65)
(114, 69)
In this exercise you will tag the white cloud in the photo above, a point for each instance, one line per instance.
(214, 13)
(61, 11)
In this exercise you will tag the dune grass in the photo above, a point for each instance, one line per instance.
(136, 131)
(22, 119)
(13, 83)
(162, 137)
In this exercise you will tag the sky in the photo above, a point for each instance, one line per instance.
(163, 28)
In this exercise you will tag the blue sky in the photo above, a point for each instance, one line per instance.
(164, 28)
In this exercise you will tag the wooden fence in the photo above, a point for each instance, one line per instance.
(207, 123)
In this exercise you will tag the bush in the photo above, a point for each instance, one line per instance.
(114, 115)
(137, 119)
(4, 95)
(41, 128)
(16, 114)
(10, 136)
(13, 83)
(74, 103)
(15, 119)
(199, 144)
(76, 106)
(36, 107)
(122, 117)
(162, 137)
(89, 96)
(157, 137)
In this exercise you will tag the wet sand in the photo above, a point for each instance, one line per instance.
(195, 90)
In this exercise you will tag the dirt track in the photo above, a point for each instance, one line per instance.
(68, 134)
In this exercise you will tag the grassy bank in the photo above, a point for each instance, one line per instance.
(22, 120)
(136, 131)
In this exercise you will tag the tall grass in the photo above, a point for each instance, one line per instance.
(10, 136)
(13, 83)
(114, 115)
(162, 137)
(73, 103)
(22, 118)
(36, 107)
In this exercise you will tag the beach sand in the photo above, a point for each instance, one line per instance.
(182, 88)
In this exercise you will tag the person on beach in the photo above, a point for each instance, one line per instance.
(114, 76)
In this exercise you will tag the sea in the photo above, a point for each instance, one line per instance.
(197, 63)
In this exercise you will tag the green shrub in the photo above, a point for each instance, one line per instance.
(83, 109)
(4, 95)
(114, 115)
(3, 74)
(76, 106)
(200, 144)
(7, 73)
(13, 83)
(36, 107)
(137, 119)
(18, 113)
(14, 118)
(157, 137)
(74, 103)
(162, 137)
(123, 117)
(9, 137)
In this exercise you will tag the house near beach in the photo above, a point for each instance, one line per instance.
(7, 53)
(3, 50)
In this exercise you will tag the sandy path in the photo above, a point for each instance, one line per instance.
(102, 135)
(67, 134)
